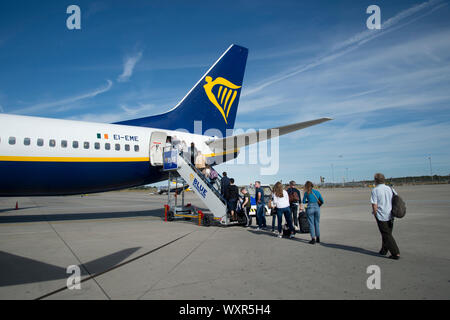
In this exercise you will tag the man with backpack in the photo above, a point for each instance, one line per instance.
(381, 200)
(294, 200)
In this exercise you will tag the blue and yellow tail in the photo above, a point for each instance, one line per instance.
(211, 103)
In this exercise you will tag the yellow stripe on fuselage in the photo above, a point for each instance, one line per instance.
(221, 153)
(92, 159)
(73, 159)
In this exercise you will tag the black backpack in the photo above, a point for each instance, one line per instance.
(398, 206)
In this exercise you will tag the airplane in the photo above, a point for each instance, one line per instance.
(52, 157)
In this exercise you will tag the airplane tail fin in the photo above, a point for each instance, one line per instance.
(210, 107)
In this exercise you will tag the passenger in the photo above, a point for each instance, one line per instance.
(315, 200)
(207, 172)
(213, 175)
(169, 141)
(281, 202)
(232, 197)
(294, 200)
(273, 213)
(381, 200)
(246, 204)
(200, 161)
(192, 151)
(224, 183)
(260, 206)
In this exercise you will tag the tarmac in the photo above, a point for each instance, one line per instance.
(126, 250)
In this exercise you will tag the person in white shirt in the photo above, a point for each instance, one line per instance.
(381, 200)
(281, 202)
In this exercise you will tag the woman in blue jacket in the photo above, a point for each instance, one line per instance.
(312, 197)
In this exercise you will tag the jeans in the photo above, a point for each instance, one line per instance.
(313, 213)
(294, 211)
(247, 216)
(287, 215)
(274, 218)
(261, 215)
(388, 241)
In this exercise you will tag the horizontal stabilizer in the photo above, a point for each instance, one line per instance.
(245, 139)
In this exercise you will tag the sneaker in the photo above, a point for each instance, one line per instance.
(313, 241)
(280, 236)
(257, 229)
(292, 235)
(297, 228)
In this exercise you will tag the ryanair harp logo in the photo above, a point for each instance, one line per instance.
(222, 97)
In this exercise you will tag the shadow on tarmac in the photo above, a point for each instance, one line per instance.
(80, 216)
(17, 270)
(12, 209)
(327, 245)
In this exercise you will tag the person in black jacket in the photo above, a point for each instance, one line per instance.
(232, 196)
(294, 200)
(224, 183)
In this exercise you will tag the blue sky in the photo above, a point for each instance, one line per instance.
(388, 90)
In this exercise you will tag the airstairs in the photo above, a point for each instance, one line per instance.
(207, 191)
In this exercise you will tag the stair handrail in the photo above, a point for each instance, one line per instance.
(202, 176)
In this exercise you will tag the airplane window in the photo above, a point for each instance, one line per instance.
(97, 145)
(127, 147)
(40, 142)
(136, 148)
(12, 140)
(107, 146)
(52, 143)
(63, 143)
(117, 147)
(75, 144)
(27, 141)
(86, 145)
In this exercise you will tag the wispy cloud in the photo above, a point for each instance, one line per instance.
(110, 117)
(128, 67)
(65, 101)
(134, 111)
(123, 113)
(353, 43)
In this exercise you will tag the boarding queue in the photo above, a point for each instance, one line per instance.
(302, 213)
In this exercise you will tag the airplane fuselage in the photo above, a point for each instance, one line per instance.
(42, 156)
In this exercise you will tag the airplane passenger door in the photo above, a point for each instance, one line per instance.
(157, 143)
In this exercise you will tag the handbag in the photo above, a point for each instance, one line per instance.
(318, 201)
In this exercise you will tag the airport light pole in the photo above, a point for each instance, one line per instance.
(431, 170)
(332, 172)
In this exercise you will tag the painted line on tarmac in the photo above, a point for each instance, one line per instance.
(115, 267)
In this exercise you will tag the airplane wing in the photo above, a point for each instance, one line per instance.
(245, 139)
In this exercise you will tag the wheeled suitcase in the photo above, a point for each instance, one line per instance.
(303, 222)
